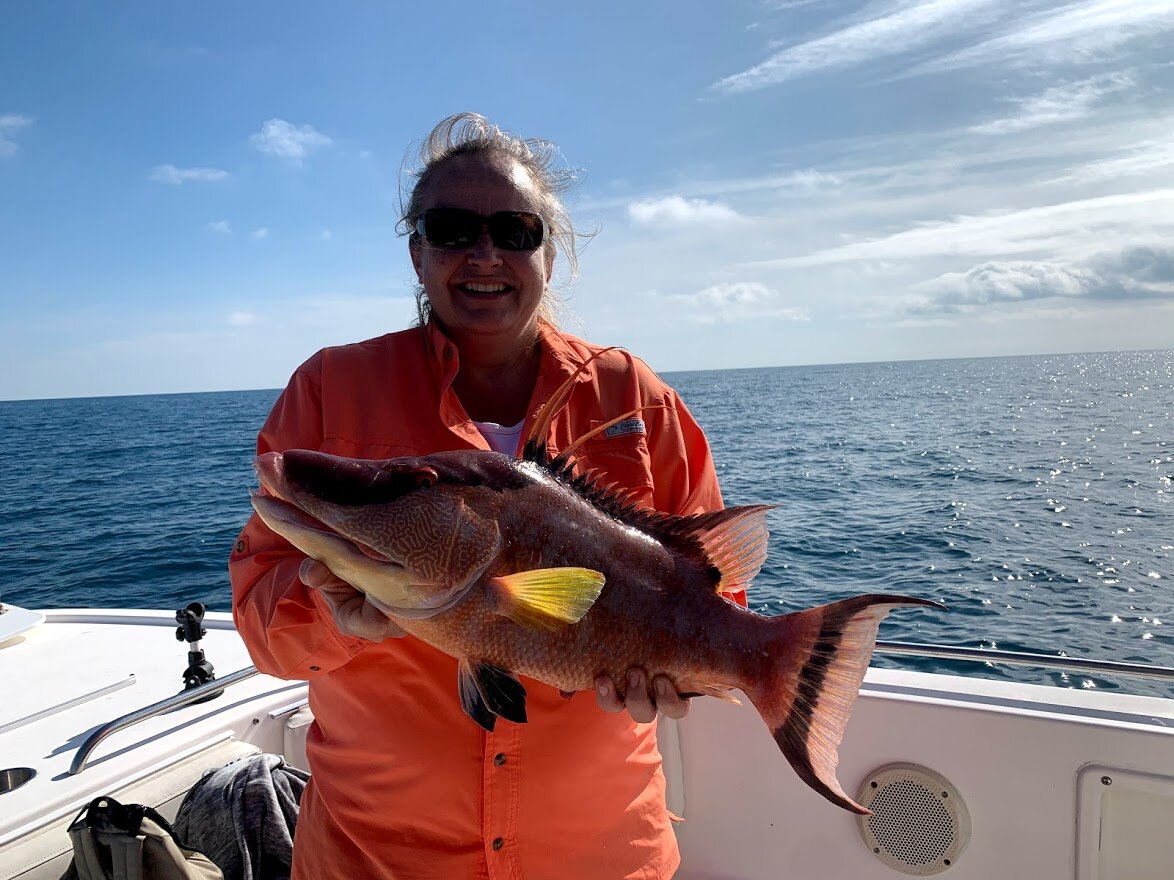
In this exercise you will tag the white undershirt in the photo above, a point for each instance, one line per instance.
(500, 438)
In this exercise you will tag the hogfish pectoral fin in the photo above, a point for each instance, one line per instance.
(812, 680)
(547, 598)
(487, 691)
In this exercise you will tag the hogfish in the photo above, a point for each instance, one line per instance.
(528, 567)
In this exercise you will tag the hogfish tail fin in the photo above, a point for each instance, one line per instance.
(816, 667)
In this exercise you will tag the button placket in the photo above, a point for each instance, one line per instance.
(500, 791)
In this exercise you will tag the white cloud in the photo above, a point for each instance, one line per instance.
(10, 123)
(1063, 103)
(1139, 159)
(1070, 34)
(1130, 274)
(909, 26)
(731, 302)
(288, 141)
(326, 235)
(260, 232)
(1072, 226)
(242, 319)
(221, 227)
(176, 176)
(679, 210)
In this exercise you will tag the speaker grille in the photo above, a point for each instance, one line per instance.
(919, 824)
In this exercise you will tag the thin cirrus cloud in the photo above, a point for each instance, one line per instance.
(910, 26)
(1063, 34)
(1146, 157)
(220, 227)
(288, 141)
(679, 211)
(1068, 226)
(10, 124)
(1070, 34)
(1062, 103)
(170, 174)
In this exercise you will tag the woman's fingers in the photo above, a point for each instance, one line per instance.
(641, 702)
(353, 614)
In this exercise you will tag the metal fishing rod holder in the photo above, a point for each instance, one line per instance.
(191, 629)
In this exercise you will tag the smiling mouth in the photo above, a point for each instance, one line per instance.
(484, 288)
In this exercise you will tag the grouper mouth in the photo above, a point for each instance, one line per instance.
(383, 579)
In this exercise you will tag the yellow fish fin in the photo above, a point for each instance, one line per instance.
(547, 598)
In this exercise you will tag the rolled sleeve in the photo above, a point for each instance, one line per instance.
(286, 625)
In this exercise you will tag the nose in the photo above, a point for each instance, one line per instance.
(484, 251)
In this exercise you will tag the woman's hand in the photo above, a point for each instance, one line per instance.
(353, 614)
(642, 702)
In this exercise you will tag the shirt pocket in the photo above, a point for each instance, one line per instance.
(623, 460)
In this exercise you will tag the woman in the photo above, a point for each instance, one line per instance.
(404, 784)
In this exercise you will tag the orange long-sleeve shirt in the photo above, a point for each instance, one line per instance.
(404, 784)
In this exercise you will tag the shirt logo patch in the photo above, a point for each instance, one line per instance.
(622, 429)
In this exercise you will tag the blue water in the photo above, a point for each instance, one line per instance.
(1031, 495)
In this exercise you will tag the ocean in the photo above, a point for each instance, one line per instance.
(1031, 495)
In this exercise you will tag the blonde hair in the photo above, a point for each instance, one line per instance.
(471, 134)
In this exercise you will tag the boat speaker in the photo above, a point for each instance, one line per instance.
(919, 823)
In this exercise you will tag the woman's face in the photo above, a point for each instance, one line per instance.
(482, 292)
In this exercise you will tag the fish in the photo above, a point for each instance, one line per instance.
(531, 567)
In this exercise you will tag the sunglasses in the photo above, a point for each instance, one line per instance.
(457, 228)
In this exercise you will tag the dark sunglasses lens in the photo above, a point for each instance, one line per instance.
(451, 229)
(455, 228)
(516, 230)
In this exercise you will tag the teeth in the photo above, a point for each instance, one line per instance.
(484, 288)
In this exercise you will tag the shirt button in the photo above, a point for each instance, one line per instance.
(499, 759)
(498, 843)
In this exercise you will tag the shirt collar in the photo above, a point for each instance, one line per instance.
(446, 357)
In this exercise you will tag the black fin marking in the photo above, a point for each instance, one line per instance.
(491, 690)
(471, 700)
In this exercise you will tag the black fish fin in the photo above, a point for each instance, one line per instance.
(488, 691)
(471, 700)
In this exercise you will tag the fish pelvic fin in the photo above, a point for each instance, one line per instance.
(818, 660)
(547, 598)
(487, 691)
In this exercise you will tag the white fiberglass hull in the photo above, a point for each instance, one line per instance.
(1056, 784)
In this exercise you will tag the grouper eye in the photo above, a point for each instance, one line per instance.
(356, 481)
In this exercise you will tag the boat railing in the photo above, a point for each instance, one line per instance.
(908, 649)
(177, 701)
(1022, 658)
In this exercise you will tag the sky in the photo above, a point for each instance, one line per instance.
(197, 197)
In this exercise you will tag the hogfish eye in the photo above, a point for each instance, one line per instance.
(426, 480)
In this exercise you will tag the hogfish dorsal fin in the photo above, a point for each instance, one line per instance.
(732, 540)
(534, 444)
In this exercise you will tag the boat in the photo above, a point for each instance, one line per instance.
(966, 777)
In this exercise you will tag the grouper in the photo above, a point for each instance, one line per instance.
(529, 567)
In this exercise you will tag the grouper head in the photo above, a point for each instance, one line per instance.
(409, 532)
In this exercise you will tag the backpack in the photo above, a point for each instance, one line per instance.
(132, 842)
